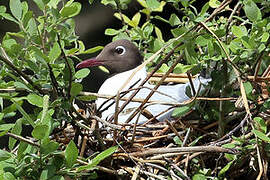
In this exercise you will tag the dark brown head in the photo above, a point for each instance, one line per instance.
(118, 56)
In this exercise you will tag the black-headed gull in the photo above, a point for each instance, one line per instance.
(121, 58)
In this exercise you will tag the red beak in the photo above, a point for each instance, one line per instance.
(89, 63)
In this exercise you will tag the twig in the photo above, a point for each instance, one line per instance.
(185, 149)
(173, 129)
(106, 123)
(20, 138)
(99, 168)
(155, 88)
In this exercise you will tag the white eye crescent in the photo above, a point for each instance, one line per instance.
(120, 50)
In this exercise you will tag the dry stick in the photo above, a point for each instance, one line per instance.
(122, 95)
(181, 171)
(217, 10)
(156, 68)
(191, 83)
(106, 123)
(99, 167)
(173, 129)
(116, 113)
(5, 58)
(134, 129)
(155, 88)
(136, 172)
(231, 16)
(20, 138)
(241, 124)
(172, 75)
(216, 149)
(162, 168)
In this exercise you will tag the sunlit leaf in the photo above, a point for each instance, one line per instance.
(16, 8)
(82, 73)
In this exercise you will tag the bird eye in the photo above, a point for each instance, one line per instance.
(120, 50)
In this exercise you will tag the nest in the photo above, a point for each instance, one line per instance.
(160, 150)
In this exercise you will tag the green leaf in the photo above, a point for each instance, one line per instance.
(48, 172)
(136, 19)
(225, 169)
(6, 127)
(39, 55)
(265, 37)
(200, 40)
(185, 3)
(81, 46)
(252, 11)
(16, 8)
(8, 17)
(4, 155)
(40, 132)
(199, 177)
(177, 141)
(109, 2)
(71, 10)
(161, 19)
(53, 3)
(35, 99)
(174, 20)
(20, 85)
(76, 88)
(98, 159)
(152, 4)
(248, 88)
(159, 34)
(180, 111)
(55, 52)
(111, 32)
(71, 153)
(178, 31)
(125, 18)
(49, 147)
(8, 176)
(142, 3)
(164, 68)
(22, 148)
(40, 4)
(260, 124)
(261, 135)
(25, 115)
(92, 50)
(239, 31)
(82, 73)
(17, 129)
(3, 9)
(214, 3)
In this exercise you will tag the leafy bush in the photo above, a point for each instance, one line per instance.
(37, 70)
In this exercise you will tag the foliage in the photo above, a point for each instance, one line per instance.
(38, 71)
